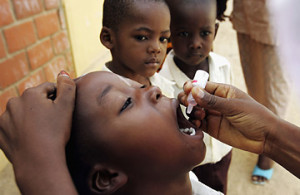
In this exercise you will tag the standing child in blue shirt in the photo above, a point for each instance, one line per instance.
(193, 29)
(137, 33)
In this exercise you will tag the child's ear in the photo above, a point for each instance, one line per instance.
(216, 28)
(106, 37)
(105, 180)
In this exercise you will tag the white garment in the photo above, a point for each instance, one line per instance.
(199, 188)
(219, 71)
(166, 86)
(286, 20)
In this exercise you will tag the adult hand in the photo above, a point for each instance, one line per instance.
(34, 131)
(232, 116)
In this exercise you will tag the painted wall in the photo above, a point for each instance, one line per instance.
(84, 21)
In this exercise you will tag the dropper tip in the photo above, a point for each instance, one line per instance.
(189, 109)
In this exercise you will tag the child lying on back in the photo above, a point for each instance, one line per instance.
(117, 148)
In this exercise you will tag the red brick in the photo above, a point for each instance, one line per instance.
(51, 4)
(32, 81)
(13, 69)
(54, 68)
(25, 8)
(2, 48)
(60, 42)
(5, 13)
(20, 36)
(40, 54)
(47, 24)
(5, 96)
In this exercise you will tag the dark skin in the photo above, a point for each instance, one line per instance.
(34, 175)
(139, 46)
(193, 28)
(117, 115)
(38, 157)
(235, 118)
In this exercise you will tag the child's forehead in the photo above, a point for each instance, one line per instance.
(91, 81)
(134, 10)
(192, 13)
(180, 6)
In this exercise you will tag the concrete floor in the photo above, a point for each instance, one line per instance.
(243, 162)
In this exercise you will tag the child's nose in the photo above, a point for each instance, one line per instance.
(196, 42)
(154, 47)
(154, 94)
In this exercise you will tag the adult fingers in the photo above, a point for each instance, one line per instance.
(218, 103)
(46, 89)
(65, 89)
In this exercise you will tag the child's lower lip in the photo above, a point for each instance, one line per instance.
(152, 64)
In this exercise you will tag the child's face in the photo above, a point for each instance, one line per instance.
(136, 128)
(141, 40)
(193, 31)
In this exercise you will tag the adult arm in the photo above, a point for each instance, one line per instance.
(34, 131)
(235, 118)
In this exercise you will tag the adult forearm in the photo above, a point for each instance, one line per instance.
(46, 174)
(283, 146)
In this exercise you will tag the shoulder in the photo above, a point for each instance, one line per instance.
(166, 86)
(167, 66)
(219, 68)
(104, 68)
(218, 59)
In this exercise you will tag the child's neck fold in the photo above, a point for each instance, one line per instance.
(157, 186)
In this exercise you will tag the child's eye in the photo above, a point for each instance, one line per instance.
(205, 33)
(183, 34)
(163, 39)
(141, 38)
(127, 103)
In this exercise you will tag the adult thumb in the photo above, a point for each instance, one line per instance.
(212, 101)
(66, 89)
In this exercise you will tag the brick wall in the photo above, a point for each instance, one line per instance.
(34, 45)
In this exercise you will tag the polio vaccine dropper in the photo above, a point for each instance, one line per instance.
(200, 80)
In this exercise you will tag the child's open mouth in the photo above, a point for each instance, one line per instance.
(184, 125)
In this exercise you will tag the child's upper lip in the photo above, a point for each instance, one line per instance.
(152, 60)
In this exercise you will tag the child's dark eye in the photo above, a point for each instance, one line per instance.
(183, 34)
(143, 86)
(164, 39)
(141, 38)
(205, 33)
(127, 103)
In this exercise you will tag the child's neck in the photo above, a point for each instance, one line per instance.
(178, 185)
(190, 70)
(120, 70)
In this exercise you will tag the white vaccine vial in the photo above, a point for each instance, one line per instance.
(200, 80)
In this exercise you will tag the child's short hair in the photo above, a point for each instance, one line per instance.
(114, 11)
(221, 6)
